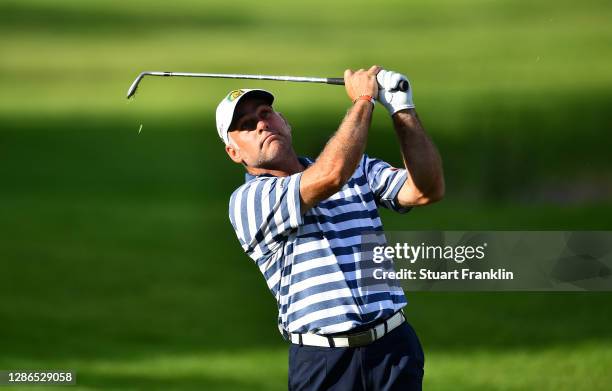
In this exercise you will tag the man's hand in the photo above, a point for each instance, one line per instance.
(388, 94)
(361, 82)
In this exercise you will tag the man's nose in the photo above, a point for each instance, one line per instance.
(262, 125)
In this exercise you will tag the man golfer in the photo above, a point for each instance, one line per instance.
(302, 222)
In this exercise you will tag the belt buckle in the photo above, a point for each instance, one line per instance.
(361, 339)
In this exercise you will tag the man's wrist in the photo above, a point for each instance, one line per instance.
(405, 119)
(365, 97)
(405, 111)
(365, 107)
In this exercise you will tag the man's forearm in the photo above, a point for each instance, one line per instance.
(421, 159)
(339, 159)
(343, 151)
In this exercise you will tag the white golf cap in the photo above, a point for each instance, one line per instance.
(225, 110)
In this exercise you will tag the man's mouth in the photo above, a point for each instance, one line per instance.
(270, 137)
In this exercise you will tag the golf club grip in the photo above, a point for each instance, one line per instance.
(335, 80)
(403, 84)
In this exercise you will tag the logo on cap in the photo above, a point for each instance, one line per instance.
(233, 95)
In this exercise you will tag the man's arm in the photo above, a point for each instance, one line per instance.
(342, 153)
(425, 181)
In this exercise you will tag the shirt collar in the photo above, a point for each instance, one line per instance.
(306, 161)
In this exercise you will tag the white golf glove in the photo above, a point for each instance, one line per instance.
(394, 100)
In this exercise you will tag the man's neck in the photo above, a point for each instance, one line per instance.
(289, 167)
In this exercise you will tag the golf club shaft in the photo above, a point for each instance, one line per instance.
(256, 77)
(299, 79)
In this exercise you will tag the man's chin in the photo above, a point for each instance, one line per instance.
(275, 157)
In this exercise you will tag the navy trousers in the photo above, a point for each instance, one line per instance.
(394, 362)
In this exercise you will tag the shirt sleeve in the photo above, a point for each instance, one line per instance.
(385, 182)
(264, 211)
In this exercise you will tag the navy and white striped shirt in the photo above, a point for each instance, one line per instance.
(309, 260)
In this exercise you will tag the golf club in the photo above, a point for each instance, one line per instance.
(403, 86)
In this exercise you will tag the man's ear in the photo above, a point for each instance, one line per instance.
(234, 152)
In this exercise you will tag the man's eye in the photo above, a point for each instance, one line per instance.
(264, 114)
(249, 124)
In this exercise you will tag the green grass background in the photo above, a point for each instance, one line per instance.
(117, 258)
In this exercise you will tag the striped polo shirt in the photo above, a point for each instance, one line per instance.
(309, 259)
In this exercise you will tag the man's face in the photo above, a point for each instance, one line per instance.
(260, 137)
